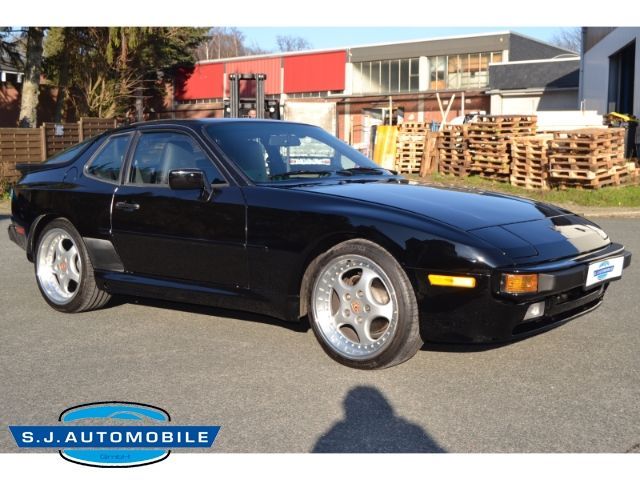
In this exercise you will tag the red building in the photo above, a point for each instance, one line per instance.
(348, 90)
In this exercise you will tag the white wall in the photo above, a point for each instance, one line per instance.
(595, 65)
(531, 102)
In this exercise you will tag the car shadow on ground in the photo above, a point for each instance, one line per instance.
(461, 347)
(4, 216)
(370, 425)
(302, 326)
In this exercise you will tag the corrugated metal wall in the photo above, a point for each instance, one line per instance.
(317, 72)
(204, 81)
(269, 66)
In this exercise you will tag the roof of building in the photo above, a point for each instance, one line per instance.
(552, 73)
(523, 47)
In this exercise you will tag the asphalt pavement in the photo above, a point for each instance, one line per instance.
(271, 388)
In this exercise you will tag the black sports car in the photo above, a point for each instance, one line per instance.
(286, 220)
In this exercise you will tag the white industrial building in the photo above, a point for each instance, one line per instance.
(610, 70)
(533, 86)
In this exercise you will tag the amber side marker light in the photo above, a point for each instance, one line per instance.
(519, 283)
(449, 281)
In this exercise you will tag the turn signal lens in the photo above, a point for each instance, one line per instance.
(448, 281)
(516, 283)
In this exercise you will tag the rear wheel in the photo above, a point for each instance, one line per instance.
(64, 271)
(362, 307)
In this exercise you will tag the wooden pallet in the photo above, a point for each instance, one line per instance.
(619, 175)
(411, 137)
(615, 180)
(414, 127)
(455, 169)
(412, 143)
(408, 166)
(491, 175)
(540, 171)
(529, 182)
(454, 158)
(593, 165)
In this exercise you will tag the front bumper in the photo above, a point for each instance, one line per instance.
(484, 315)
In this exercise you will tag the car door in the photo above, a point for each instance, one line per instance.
(178, 234)
(91, 195)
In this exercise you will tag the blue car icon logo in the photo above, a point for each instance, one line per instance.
(117, 413)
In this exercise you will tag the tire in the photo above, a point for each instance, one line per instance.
(362, 307)
(64, 272)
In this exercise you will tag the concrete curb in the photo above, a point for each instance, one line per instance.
(621, 214)
(603, 212)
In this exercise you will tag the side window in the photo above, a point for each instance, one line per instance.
(106, 165)
(157, 153)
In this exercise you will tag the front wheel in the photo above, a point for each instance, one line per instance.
(363, 309)
(64, 271)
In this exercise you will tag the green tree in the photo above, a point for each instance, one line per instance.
(106, 69)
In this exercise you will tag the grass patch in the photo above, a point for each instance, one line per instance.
(628, 196)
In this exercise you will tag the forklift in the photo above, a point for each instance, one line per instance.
(253, 106)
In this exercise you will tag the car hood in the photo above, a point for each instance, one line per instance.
(465, 209)
(523, 229)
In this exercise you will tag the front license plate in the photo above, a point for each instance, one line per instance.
(604, 270)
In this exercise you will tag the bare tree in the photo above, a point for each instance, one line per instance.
(288, 43)
(226, 42)
(31, 86)
(569, 39)
(12, 47)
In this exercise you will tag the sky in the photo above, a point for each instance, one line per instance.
(332, 37)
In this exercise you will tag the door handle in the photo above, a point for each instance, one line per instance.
(127, 206)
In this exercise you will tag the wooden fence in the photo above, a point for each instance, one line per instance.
(19, 145)
(26, 145)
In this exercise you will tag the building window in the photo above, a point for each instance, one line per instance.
(198, 101)
(437, 69)
(464, 71)
(385, 76)
(312, 94)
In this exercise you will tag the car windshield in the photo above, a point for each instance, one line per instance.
(280, 151)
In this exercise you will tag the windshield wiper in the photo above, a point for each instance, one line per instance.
(295, 173)
(362, 171)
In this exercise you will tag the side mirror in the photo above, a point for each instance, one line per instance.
(190, 179)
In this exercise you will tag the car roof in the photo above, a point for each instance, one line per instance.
(199, 122)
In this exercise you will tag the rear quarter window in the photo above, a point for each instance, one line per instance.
(70, 153)
(107, 163)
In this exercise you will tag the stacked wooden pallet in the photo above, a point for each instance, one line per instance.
(590, 158)
(454, 159)
(489, 140)
(410, 146)
(530, 162)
